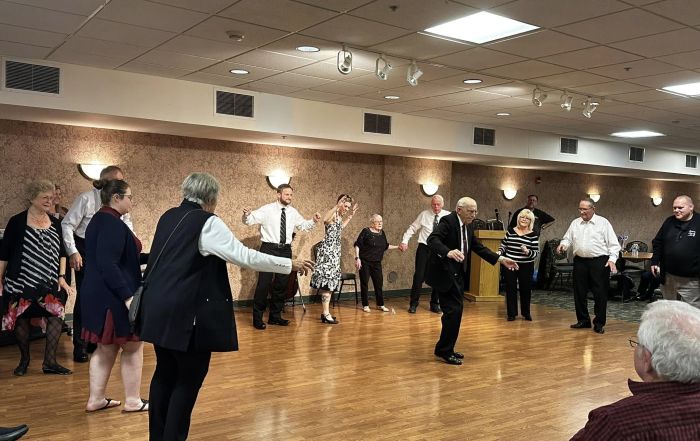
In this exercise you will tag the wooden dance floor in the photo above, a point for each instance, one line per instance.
(372, 377)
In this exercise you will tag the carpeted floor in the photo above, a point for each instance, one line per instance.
(630, 311)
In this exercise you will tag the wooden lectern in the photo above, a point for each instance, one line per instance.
(484, 277)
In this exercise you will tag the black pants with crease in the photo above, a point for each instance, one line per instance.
(271, 283)
(591, 274)
(422, 254)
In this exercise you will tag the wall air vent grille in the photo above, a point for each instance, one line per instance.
(234, 104)
(637, 154)
(375, 123)
(32, 77)
(691, 161)
(569, 146)
(484, 136)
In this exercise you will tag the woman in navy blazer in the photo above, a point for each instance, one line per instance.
(112, 275)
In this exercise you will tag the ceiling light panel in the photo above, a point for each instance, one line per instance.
(690, 89)
(480, 28)
(637, 134)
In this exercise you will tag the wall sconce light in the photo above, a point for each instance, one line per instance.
(429, 189)
(278, 178)
(594, 196)
(90, 171)
(509, 194)
(656, 201)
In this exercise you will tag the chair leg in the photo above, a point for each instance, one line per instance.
(354, 282)
(340, 291)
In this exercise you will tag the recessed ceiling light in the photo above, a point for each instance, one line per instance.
(239, 71)
(690, 89)
(637, 134)
(392, 97)
(503, 114)
(481, 28)
(472, 81)
(308, 49)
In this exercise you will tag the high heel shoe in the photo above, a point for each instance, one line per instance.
(56, 369)
(21, 369)
(331, 321)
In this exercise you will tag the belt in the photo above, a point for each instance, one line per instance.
(591, 258)
(277, 245)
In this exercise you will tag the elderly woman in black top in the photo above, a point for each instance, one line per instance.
(369, 252)
(32, 271)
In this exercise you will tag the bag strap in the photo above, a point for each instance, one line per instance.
(166, 244)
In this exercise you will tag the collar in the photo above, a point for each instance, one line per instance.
(593, 220)
(280, 205)
(110, 210)
(666, 387)
(186, 203)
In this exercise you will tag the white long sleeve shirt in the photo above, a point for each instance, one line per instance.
(423, 225)
(268, 216)
(594, 238)
(218, 240)
(79, 215)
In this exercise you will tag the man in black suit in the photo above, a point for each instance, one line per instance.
(448, 266)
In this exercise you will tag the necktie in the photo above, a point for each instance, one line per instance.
(283, 227)
(465, 246)
(435, 222)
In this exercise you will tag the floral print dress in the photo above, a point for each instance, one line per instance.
(327, 270)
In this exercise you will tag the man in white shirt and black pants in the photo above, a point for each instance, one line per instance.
(424, 225)
(278, 221)
(595, 249)
(74, 225)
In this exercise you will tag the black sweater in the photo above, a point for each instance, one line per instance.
(677, 247)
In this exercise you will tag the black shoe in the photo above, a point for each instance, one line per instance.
(80, 357)
(21, 369)
(56, 369)
(331, 321)
(13, 433)
(527, 317)
(450, 359)
(599, 329)
(581, 325)
(436, 309)
(511, 318)
(278, 321)
(411, 309)
(259, 325)
(458, 355)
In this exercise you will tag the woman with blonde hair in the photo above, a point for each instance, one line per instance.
(522, 245)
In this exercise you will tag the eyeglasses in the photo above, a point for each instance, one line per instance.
(130, 196)
(470, 211)
(585, 209)
(633, 342)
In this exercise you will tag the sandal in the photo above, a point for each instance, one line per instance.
(108, 405)
(143, 408)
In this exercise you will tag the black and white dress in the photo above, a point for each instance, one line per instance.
(326, 273)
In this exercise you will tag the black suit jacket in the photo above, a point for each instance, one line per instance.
(442, 271)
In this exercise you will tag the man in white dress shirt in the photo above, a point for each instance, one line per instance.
(595, 250)
(278, 221)
(73, 225)
(423, 225)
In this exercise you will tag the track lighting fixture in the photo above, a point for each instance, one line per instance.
(382, 68)
(344, 61)
(566, 101)
(538, 96)
(589, 107)
(413, 73)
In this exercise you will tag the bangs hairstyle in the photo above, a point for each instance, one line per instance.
(528, 214)
(37, 187)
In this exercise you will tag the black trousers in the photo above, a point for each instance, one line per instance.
(78, 342)
(452, 304)
(521, 278)
(173, 393)
(373, 270)
(591, 274)
(647, 284)
(278, 282)
(422, 254)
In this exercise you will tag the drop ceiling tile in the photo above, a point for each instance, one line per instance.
(152, 69)
(288, 45)
(668, 43)
(369, 79)
(668, 79)
(684, 11)
(255, 73)
(272, 88)
(570, 79)
(688, 60)
(10, 49)
(124, 33)
(184, 44)
(208, 6)
(345, 88)
(398, 107)
(551, 13)
(79, 7)
(355, 31)
(336, 5)
(38, 18)
(610, 88)
(508, 89)
(151, 15)
(526, 69)
(315, 95)
(641, 96)
(458, 80)
(590, 58)
(279, 14)
(84, 59)
(415, 15)
(438, 113)
(422, 91)
(271, 60)
(477, 59)
(216, 28)
(218, 80)
(178, 61)
(634, 69)
(32, 37)
(540, 44)
(110, 49)
(293, 79)
(431, 72)
(330, 72)
(623, 25)
(482, 4)
(357, 101)
(419, 46)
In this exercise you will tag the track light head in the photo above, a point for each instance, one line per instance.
(566, 101)
(413, 73)
(344, 61)
(382, 68)
(589, 106)
(538, 97)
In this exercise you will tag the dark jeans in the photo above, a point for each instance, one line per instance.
(591, 274)
(278, 282)
(521, 278)
(452, 304)
(422, 254)
(373, 270)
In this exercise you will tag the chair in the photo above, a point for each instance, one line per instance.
(631, 268)
(346, 279)
(494, 224)
(478, 224)
(559, 269)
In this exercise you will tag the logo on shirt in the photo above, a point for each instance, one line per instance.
(691, 233)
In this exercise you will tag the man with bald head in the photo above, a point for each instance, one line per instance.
(451, 244)
(424, 224)
(676, 256)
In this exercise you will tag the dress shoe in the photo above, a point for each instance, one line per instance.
(412, 310)
(56, 369)
(458, 355)
(21, 369)
(80, 357)
(581, 325)
(527, 317)
(436, 309)
(329, 319)
(450, 359)
(278, 321)
(259, 325)
(511, 318)
(599, 329)
(13, 433)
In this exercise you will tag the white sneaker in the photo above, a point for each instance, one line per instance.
(365, 308)
(383, 308)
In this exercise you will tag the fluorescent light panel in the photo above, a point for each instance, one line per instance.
(690, 89)
(481, 28)
(637, 134)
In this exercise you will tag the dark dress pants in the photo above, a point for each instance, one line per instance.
(521, 278)
(173, 393)
(591, 274)
(272, 283)
(373, 270)
(78, 343)
(422, 254)
(452, 304)
(647, 284)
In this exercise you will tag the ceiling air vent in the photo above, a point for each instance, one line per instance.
(32, 77)
(569, 146)
(234, 104)
(691, 161)
(375, 123)
(484, 136)
(637, 154)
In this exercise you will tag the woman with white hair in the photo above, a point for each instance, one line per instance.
(370, 247)
(186, 307)
(522, 245)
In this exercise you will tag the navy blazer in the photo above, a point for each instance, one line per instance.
(442, 271)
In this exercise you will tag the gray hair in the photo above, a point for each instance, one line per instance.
(437, 196)
(201, 188)
(464, 201)
(374, 217)
(39, 186)
(670, 331)
(589, 200)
